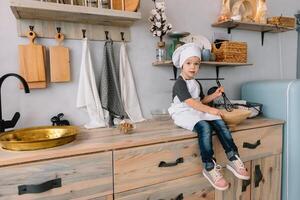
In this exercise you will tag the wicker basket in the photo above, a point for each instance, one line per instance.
(231, 52)
(289, 22)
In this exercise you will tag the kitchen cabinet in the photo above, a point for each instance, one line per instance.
(158, 161)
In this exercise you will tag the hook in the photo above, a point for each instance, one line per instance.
(58, 31)
(106, 35)
(83, 33)
(122, 36)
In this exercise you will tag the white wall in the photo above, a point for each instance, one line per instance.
(275, 60)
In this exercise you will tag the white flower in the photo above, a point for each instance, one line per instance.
(158, 24)
(158, 33)
(153, 12)
(158, 17)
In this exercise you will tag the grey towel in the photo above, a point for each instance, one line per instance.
(109, 90)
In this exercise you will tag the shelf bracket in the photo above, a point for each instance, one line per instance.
(231, 27)
(263, 37)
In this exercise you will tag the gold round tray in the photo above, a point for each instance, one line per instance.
(34, 138)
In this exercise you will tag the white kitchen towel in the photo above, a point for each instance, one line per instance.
(128, 89)
(87, 96)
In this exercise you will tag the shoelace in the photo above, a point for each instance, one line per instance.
(216, 172)
(239, 163)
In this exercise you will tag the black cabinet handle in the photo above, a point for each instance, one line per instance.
(43, 187)
(258, 175)
(165, 164)
(245, 185)
(179, 197)
(251, 146)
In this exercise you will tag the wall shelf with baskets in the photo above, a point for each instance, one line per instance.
(44, 16)
(251, 26)
(218, 65)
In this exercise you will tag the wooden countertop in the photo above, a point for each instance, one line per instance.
(106, 139)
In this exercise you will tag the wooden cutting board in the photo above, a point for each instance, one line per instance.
(59, 61)
(32, 62)
(128, 5)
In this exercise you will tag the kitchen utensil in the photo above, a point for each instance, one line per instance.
(59, 61)
(198, 39)
(32, 62)
(38, 137)
(227, 104)
(234, 117)
(128, 5)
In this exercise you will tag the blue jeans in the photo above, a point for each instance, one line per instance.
(204, 130)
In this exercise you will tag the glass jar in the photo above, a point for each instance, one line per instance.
(161, 53)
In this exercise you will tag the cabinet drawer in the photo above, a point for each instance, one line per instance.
(81, 177)
(190, 188)
(253, 143)
(139, 167)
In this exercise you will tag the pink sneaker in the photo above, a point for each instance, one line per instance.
(238, 168)
(215, 177)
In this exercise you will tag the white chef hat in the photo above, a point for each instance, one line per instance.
(184, 52)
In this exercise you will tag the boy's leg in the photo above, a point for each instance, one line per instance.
(236, 166)
(204, 131)
(212, 171)
(225, 138)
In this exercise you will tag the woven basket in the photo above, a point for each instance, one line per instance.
(231, 52)
(289, 22)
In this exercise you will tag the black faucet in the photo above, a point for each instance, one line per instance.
(11, 123)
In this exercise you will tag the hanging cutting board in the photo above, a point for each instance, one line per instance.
(59, 61)
(128, 5)
(32, 62)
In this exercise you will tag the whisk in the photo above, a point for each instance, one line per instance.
(227, 104)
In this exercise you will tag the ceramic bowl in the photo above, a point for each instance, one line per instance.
(237, 116)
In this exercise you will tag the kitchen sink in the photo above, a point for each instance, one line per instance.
(37, 137)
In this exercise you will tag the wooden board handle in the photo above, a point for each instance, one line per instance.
(31, 36)
(59, 38)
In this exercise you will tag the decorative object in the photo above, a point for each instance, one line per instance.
(161, 53)
(158, 18)
(289, 22)
(175, 36)
(235, 117)
(243, 10)
(225, 11)
(261, 13)
(201, 40)
(205, 54)
(126, 127)
(38, 137)
(229, 51)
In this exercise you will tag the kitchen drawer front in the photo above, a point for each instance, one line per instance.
(194, 187)
(253, 143)
(81, 177)
(139, 167)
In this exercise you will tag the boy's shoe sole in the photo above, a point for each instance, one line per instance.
(237, 174)
(216, 187)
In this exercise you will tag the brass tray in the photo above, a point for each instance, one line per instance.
(38, 137)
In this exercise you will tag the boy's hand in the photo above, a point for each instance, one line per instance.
(215, 111)
(218, 92)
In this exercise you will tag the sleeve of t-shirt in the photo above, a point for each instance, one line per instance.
(181, 91)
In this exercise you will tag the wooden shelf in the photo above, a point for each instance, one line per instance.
(251, 26)
(208, 63)
(37, 10)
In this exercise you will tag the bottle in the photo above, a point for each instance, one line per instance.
(161, 52)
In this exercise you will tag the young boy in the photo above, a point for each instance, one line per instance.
(189, 110)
